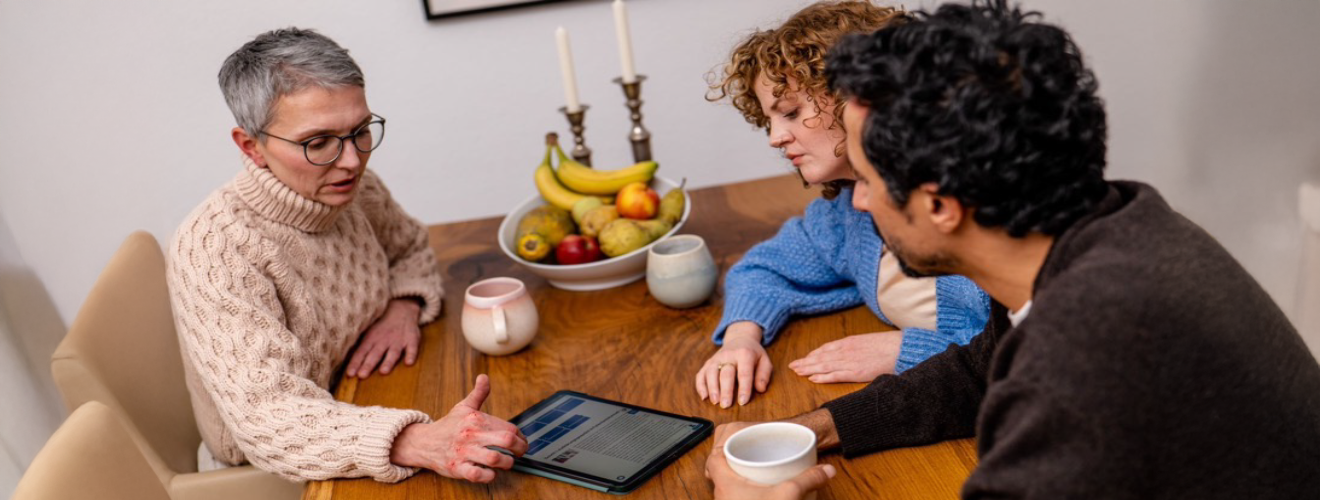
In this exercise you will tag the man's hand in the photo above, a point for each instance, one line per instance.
(819, 421)
(736, 368)
(456, 445)
(723, 431)
(730, 486)
(855, 358)
(395, 334)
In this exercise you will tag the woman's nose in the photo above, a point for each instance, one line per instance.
(349, 158)
(779, 137)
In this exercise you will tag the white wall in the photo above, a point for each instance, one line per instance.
(111, 121)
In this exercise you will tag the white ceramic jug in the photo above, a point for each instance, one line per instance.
(499, 316)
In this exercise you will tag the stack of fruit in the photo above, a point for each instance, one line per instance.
(593, 214)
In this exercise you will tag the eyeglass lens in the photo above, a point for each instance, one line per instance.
(326, 149)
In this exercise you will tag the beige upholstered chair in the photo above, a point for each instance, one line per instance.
(1307, 312)
(90, 456)
(122, 351)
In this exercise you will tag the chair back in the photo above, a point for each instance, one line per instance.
(1307, 309)
(91, 456)
(122, 350)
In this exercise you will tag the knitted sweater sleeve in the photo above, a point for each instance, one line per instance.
(934, 401)
(414, 271)
(962, 312)
(799, 271)
(231, 329)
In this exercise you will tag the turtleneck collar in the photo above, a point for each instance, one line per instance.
(261, 190)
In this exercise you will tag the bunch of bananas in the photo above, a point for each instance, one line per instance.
(572, 181)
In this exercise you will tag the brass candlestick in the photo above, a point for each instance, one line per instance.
(580, 152)
(640, 138)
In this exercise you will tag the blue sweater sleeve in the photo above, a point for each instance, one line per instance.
(962, 312)
(802, 270)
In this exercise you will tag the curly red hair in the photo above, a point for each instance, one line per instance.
(796, 50)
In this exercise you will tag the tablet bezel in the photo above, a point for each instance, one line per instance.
(599, 483)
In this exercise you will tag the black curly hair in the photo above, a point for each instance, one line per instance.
(990, 104)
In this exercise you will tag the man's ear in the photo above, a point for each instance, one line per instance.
(945, 212)
(248, 145)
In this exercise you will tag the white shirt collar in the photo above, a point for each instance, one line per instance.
(1017, 316)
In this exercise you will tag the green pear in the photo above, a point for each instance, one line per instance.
(622, 236)
(655, 228)
(671, 205)
(586, 204)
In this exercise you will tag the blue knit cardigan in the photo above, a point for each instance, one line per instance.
(828, 261)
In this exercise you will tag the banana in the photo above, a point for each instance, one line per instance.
(550, 188)
(587, 180)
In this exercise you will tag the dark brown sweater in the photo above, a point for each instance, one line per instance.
(1151, 365)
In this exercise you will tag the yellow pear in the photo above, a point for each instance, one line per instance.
(594, 221)
(622, 236)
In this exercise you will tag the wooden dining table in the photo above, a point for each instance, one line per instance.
(621, 344)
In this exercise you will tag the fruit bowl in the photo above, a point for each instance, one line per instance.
(598, 275)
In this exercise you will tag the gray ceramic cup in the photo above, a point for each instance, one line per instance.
(680, 271)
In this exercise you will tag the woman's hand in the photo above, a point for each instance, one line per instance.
(456, 445)
(395, 334)
(736, 368)
(855, 358)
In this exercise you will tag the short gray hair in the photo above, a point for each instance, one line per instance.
(278, 63)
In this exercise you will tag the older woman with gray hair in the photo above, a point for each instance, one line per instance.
(302, 256)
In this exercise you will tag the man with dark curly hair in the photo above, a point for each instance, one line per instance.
(1132, 356)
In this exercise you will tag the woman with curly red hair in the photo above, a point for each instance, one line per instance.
(831, 258)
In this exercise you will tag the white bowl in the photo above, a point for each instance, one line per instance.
(598, 275)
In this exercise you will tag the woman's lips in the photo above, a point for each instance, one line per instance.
(344, 185)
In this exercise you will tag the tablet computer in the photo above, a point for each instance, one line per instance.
(601, 444)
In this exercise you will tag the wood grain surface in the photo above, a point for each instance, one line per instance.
(621, 344)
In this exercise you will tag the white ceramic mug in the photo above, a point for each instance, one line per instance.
(771, 453)
(680, 271)
(499, 316)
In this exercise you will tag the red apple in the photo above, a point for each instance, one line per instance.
(637, 201)
(577, 249)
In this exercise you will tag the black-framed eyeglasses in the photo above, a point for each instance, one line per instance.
(323, 150)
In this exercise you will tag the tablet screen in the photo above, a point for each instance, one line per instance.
(607, 440)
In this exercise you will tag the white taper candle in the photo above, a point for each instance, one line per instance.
(566, 68)
(625, 41)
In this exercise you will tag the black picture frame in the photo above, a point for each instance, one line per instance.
(441, 9)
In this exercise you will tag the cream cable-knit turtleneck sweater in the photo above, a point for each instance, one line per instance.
(271, 292)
